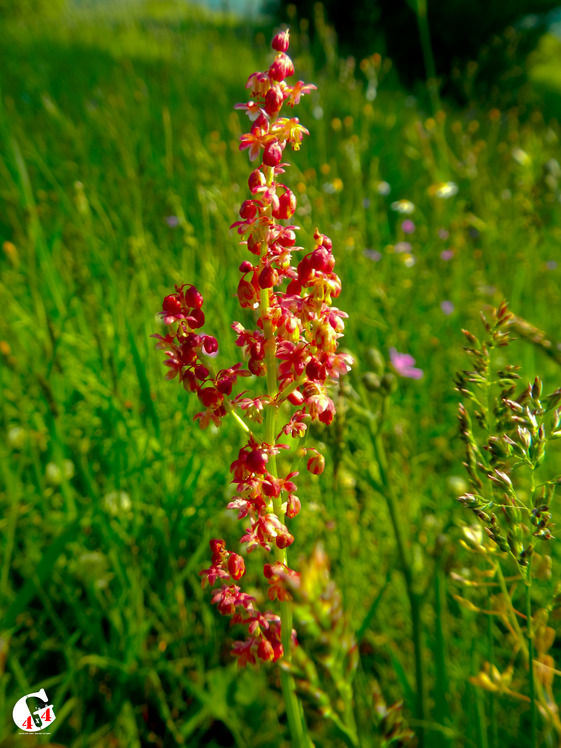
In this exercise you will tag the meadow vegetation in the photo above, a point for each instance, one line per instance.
(120, 174)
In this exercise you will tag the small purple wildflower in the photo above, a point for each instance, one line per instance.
(447, 307)
(446, 254)
(551, 264)
(408, 226)
(372, 254)
(403, 364)
(366, 202)
(443, 234)
(402, 247)
(172, 221)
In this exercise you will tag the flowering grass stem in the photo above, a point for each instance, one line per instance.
(415, 598)
(529, 634)
(526, 645)
(491, 657)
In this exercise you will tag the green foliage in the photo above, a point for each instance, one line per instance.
(111, 124)
(31, 10)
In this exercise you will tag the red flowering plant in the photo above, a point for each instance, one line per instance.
(293, 347)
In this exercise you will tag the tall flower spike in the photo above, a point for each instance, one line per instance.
(294, 348)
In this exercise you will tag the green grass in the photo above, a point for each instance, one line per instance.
(109, 493)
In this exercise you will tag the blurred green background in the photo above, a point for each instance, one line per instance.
(120, 174)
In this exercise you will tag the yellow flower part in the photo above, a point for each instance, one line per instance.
(291, 130)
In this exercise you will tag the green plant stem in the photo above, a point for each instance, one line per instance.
(428, 57)
(512, 612)
(527, 647)
(491, 656)
(415, 600)
(533, 714)
(294, 711)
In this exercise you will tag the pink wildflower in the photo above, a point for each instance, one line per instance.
(403, 364)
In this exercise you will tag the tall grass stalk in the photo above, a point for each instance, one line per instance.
(386, 489)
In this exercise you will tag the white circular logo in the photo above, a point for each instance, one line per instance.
(33, 712)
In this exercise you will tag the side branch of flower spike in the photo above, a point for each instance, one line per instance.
(294, 346)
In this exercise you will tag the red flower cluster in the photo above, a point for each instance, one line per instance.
(187, 350)
(294, 346)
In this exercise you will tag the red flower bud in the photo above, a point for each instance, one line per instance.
(296, 398)
(273, 100)
(261, 123)
(291, 325)
(294, 288)
(271, 487)
(268, 277)
(287, 238)
(281, 68)
(193, 298)
(253, 245)
(210, 397)
(225, 385)
(256, 367)
(247, 294)
(191, 341)
(283, 541)
(281, 41)
(246, 266)
(316, 370)
(171, 304)
(188, 353)
(323, 240)
(326, 416)
(268, 572)
(210, 345)
(265, 650)
(293, 506)
(256, 461)
(272, 155)
(196, 319)
(316, 463)
(256, 180)
(190, 383)
(236, 566)
(248, 209)
(304, 270)
(201, 372)
(287, 205)
(217, 545)
(274, 203)
(321, 259)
